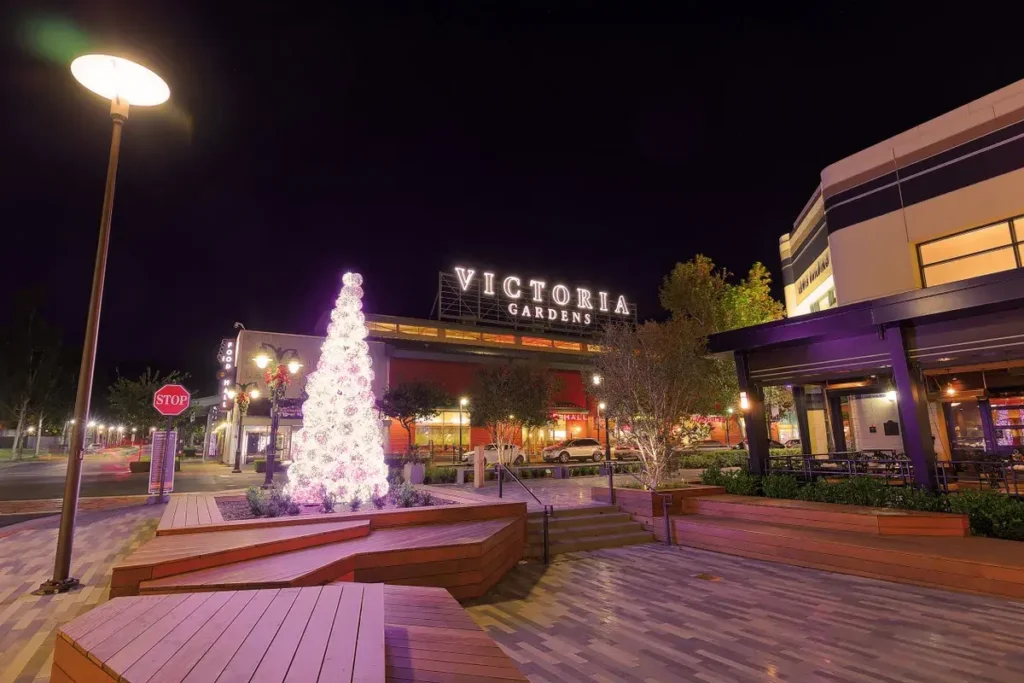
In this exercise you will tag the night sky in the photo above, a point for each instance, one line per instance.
(599, 143)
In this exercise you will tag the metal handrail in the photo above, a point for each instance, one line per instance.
(549, 510)
(811, 466)
(1003, 467)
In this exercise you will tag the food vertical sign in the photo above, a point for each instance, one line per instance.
(170, 400)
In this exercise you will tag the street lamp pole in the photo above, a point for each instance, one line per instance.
(276, 391)
(245, 394)
(122, 82)
(462, 404)
(603, 408)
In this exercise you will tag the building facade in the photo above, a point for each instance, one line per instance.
(897, 241)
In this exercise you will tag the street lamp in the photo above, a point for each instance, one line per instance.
(462, 404)
(275, 361)
(124, 83)
(728, 419)
(244, 394)
(602, 407)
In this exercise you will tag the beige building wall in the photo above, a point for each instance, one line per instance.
(973, 206)
(873, 259)
(819, 433)
(867, 412)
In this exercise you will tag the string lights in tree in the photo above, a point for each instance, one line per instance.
(339, 448)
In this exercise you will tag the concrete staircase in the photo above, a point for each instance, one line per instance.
(586, 528)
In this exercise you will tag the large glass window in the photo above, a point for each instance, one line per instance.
(441, 432)
(980, 251)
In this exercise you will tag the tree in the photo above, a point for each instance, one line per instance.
(30, 362)
(340, 450)
(412, 402)
(654, 379)
(777, 402)
(699, 292)
(505, 399)
(130, 401)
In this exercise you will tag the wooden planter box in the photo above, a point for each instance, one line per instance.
(649, 503)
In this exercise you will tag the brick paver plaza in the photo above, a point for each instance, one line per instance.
(629, 614)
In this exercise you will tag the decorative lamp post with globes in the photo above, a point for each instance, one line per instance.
(125, 84)
(242, 394)
(278, 365)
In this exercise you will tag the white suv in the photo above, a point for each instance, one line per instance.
(574, 449)
(513, 454)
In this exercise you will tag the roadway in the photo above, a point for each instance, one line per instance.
(107, 474)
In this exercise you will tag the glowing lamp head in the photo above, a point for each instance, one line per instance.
(232, 393)
(730, 410)
(262, 361)
(891, 394)
(950, 391)
(597, 380)
(120, 428)
(71, 421)
(293, 366)
(116, 78)
(99, 427)
(601, 405)
(92, 423)
(134, 430)
(463, 402)
(31, 430)
(254, 394)
(152, 429)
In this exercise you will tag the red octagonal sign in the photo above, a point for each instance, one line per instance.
(171, 399)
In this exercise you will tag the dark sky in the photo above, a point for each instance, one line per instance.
(597, 142)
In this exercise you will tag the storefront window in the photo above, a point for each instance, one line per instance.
(967, 429)
(975, 252)
(1008, 420)
(441, 432)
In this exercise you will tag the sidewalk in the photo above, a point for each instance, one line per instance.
(28, 623)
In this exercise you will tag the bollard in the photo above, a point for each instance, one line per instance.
(668, 523)
(547, 547)
(497, 466)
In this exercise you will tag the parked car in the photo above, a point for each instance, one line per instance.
(706, 445)
(772, 443)
(574, 449)
(625, 453)
(513, 454)
(792, 443)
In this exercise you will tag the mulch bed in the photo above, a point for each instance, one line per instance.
(239, 509)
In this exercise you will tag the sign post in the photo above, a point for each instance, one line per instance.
(169, 400)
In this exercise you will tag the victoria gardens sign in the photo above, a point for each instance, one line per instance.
(473, 295)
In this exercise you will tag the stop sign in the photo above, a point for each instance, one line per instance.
(171, 399)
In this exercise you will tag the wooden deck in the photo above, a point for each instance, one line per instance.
(465, 546)
(340, 632)
(466, 557)
(879, 521)
(190, 510)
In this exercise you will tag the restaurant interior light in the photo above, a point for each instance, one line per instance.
(744, 401)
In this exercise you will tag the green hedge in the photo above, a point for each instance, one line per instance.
(261, 465)
(990, 514)
(136, 466)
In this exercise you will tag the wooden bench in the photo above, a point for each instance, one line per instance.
(339, 632)
(189, 510)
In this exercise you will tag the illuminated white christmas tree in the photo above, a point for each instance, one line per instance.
(339, 447)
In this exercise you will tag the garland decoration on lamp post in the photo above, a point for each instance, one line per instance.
(278, 365)
(242, 395)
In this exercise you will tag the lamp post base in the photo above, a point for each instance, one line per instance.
(51, 587)
(235, 470)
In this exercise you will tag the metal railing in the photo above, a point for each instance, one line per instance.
(549, 510)
(880, 464)
(992, 473)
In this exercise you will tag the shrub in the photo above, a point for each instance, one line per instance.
(327, 500)
(280, 504)
(742, 483)
(379, 502)
(354, 504)
(713, 476)
(406, 496)
(257, 501)
(440, 475)
(780, 486)
(990, 514)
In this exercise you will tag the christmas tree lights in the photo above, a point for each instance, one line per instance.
(339, 448)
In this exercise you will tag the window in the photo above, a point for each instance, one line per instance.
(536, 341)
(567, 346)
(374, 326)
(979, 251)
(461, 334)
(826, 302)
(500, 338)
(418, 330)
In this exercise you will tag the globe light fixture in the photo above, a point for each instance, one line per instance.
(262, 361)
(92, 424)
(254, 394)
(116, 78)
(463, 402)
(597, 380)
(293, 366)
(950, 391)
(601, 406)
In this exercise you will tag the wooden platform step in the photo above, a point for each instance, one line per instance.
(536, 524)
(868, 520)
(573, 544)
(178, 554)
(585, 510)
(465, 557)
(978, 565)
(615, 526)
(351, 632)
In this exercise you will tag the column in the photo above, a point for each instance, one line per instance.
(800, 408)
(913, 406)
(986, 425)
(754, 416)
(835, 422)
